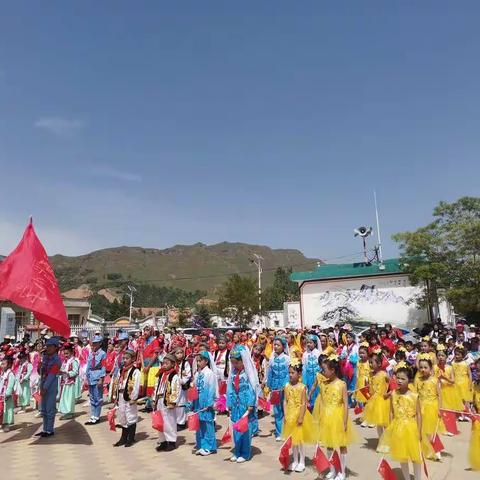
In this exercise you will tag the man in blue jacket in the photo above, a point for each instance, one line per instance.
(50, 369)
(94, 376)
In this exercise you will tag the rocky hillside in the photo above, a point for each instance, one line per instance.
(189, 267)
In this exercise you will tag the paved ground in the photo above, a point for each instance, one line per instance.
(81, 452)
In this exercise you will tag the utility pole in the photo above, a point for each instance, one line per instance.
(257, 260)
(131, 290)
(380, 256)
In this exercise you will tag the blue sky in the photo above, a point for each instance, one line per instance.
(156, 123)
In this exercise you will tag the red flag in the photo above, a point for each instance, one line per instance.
(392, 384)
(27, 279)
(37, 397)
(2, 407)
(157, 420)
(222, 388)
(320, 460)
(365, 391)
(192, 393)
(284, 456)
(194, 422)
(275, 397)
(385, 471)
(335, 461)
(241, 425)
(264, 404)
(111, 419)
(450, 421)
(358, 410)
(227, 437)
(437, 444)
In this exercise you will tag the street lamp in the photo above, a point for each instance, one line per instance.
(132, 289)
(257, 260)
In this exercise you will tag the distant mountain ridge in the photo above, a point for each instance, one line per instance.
(189, 267)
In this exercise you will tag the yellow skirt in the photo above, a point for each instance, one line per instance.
(148, 381)
(451, 399)
(474, 449)
(400, 441)
(431, 421)
(301, 434)
(377, 411)
(332, 433)
(464, 388)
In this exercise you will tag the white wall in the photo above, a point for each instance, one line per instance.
(386, 299)
(292, 314)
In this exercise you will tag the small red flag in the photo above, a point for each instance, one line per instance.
(284, 456)
(157, 420)
(358, 410)
(264, 404)
(335, 461)
(320, 460)
(227, 437)
(193, 422)
(275, 397)
(437, 444)
(27, 279)
(365, 391)
(241, 425)
(385, 471)
(222, 388)
(392, 384)
(192, 393)
(111, 419)
(450, 421)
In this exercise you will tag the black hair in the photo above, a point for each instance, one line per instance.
(377, 357)
(406, 371)
(400, 355)
(9, 360)
(321, 359)
(333, 365)
(297, 367)
(426, 360)
(363, 347)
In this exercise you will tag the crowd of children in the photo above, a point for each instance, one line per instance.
(315, 380)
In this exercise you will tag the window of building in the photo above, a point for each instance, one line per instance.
(74, 319)
(22, 318)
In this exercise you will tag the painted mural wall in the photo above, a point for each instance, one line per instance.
(386, 299)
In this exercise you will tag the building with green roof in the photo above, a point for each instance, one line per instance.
(358, 292)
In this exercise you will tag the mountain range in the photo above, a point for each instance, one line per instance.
(189, 267)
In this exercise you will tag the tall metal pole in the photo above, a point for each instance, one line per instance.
(258, 262)
(380, 257)
(132, 289)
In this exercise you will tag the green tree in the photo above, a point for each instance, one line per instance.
(445, 255)
(202, 313)
(238, 299)
(282, 290)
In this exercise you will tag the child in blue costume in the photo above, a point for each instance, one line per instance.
(277, 378)
(348, 363)
(242, 388)
(311, 367)
(207, 385)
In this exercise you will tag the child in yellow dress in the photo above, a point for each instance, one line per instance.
(474, 449)
(377, 409)
(363, 375)
(451, 399)
(336, 429)
(463, 378)
(298, 422)
(403, 436)
(320, 379)
(427, 386)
